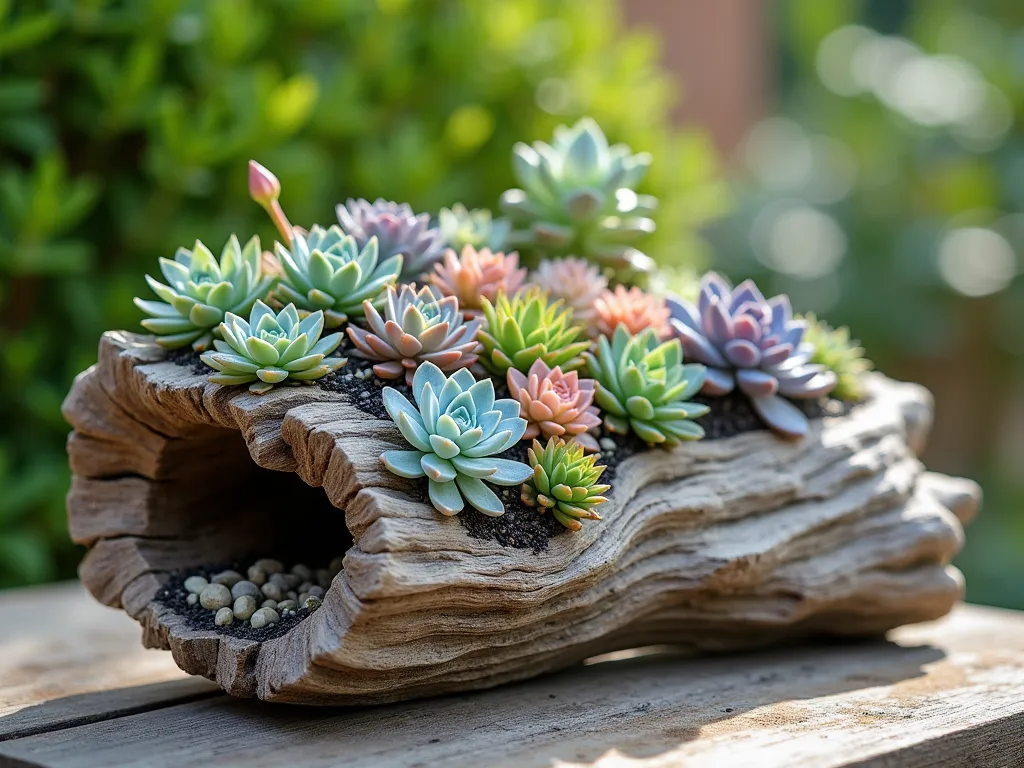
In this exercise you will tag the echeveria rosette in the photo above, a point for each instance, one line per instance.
(564, 480)
(200, 290)
(272, 348)
(577, 197)
(325, 270)
(417, 327)
(476, 274)
(644, 386)
(555, 404)
(456, 429)
(477, 227)
(755, 344)
(526, 328)
(398, 231)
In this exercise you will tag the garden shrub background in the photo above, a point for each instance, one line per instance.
(125, 128)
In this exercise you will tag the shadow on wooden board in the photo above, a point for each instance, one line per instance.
(640, 706)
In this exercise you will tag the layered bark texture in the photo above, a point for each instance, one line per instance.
(714, 545)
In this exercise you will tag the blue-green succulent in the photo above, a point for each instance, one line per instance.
(272, 348)
(327, 270)
(456, 429)
(200, 290)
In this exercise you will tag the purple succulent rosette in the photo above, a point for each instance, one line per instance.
(752, 343)
(397, 229)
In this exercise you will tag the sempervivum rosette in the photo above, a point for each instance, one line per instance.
(752, 343)
(417, 327)
(398, 231)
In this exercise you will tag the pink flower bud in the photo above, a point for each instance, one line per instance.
(264, 187)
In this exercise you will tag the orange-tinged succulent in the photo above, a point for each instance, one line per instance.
(632, 308)
(555, 404)
(475, 274)
(576, 282)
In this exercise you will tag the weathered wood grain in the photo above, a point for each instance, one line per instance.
(948, 693)
(714, 545)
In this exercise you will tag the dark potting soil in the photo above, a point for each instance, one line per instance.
(173, 595)
(187, 357)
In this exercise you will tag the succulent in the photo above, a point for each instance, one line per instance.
(527, 328)
(574, 281)
(555, 403)
(456, 429)
(753, 344)
(632, 308)
(564, 480)
(201, 290)
(417, 327)
(644, 386)
(477, 274)
(577, 198)
(833, 349)
(461, 227)
(272, 348)
(326, 270)
(398, 231)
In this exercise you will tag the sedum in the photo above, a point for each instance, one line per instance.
(456, 428)
(564, 480)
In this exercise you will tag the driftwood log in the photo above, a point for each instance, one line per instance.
(715, 545)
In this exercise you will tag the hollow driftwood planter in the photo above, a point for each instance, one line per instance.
(715, 545)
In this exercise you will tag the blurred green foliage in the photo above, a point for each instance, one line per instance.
(888, 197)
(125, 128)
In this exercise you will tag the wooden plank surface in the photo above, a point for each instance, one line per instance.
(77, 690)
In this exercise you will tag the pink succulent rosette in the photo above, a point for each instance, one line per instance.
(632, 308)
(577, 282)
(555, 404)
(474, 274)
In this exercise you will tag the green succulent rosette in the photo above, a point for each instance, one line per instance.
(461, 226)
(200, 290)
(643, 386)
(456, 428)
(833, 349)
(564, 481)
(326, 270)
(526, 328)
(272, 348)
(577, 197)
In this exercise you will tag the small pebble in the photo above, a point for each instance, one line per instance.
(245, 607)
(263, 617)
(286, 605)
(268, 565)
(291, 594)
(224, 617)
(316, 592)
(311, 603)
(257, 575)
(607, 444)
(214, 597)
(303, 572)
(243, 588)
(302, 597)
(227, 578)
(271, 590)
(269, 604)
(195, 584)
(304, 586)
(280, 580)
(192, 598)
